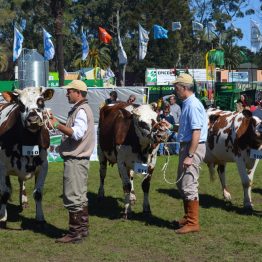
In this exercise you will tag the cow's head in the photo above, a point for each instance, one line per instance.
(146, 125)
(248, 130)
(31, 104)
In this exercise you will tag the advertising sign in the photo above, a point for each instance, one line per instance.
(238, 76)
(164, 77)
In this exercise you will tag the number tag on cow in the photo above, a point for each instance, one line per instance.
(257, 154)
(30, 150)
(140, 168)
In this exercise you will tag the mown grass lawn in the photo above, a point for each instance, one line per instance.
(227, 233)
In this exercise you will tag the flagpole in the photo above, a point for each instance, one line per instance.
(123, 82)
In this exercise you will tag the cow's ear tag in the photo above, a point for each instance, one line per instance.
(140, 168)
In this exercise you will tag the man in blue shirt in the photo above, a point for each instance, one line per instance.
(192, 135)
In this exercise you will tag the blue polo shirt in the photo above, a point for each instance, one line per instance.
(193, 116)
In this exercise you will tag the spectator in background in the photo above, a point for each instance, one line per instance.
(175, 109)
(131, 99)
(112, 99)
(173, 148)
(258, 111)
(242, 103)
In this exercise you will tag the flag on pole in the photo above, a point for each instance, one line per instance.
(211, 26)
(122, 57)
(18, 42)
(176, 26)
(85, 47)
(256, 37)
(197, 26)
(23, 24)
(143, 42)
(49, 49)
(160, 32)
(108, 74)
(104, 36)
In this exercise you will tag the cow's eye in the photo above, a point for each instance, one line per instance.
(143, 125)
(40, 102)
(21, 106)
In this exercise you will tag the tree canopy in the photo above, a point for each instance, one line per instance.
(64, 20)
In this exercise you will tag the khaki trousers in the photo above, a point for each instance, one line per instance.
(188, 179)
(75, 184)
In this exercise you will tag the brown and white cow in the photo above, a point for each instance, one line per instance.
(231, 136)
(129, 135)
(24, 140)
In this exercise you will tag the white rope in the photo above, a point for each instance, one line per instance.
(47, 118)
(164, 168)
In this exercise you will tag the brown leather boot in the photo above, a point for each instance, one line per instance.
(192, 223)
(181, 222)
(85, 222)
(74, 233)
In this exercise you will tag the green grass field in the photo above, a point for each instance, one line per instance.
(227, 233)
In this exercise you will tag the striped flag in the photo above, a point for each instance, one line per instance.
(256, 37)
(197, 26)
(18, 42)
(176, 26)
(143, 42)
(49, 49)
(122, 57)
(85, 47)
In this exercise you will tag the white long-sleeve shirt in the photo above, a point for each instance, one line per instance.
(80, 125)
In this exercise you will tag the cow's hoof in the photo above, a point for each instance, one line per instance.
(125, 216)
(2, 224)
(25, 205)
(248, 208)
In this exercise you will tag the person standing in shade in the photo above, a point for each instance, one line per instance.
(77, 145)
(112, 99)
(192, 135)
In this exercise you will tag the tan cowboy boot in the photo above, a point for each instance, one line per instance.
(192, 223)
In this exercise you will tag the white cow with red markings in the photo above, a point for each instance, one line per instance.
(231, 137)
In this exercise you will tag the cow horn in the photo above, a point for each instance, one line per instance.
(18, 91)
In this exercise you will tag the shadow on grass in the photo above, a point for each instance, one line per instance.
(257, 190)
(208, 201)
(47, 229)
(109, 208)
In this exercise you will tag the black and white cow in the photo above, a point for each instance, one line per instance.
(24, 140)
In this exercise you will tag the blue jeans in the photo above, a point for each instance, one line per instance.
(173, 148)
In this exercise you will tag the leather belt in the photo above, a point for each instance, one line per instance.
(77, 158)
(185, 143)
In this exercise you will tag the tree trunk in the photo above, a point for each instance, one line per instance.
(58, 12)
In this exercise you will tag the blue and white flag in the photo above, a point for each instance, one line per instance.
(122, 57)
(85, 46)
(18, 42)
(160, 32)
(108, 74)
(256, 37)
(49, 50)
(143, 42)
(197, 26)
(211, 26)
(23, 24)
(176, 26)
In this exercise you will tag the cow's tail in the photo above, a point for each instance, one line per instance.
(212, 172)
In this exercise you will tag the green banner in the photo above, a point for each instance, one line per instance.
(53, 154)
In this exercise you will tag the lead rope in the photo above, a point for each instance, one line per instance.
(164, 168)
(47, 117)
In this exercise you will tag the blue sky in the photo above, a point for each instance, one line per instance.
(244, 23)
